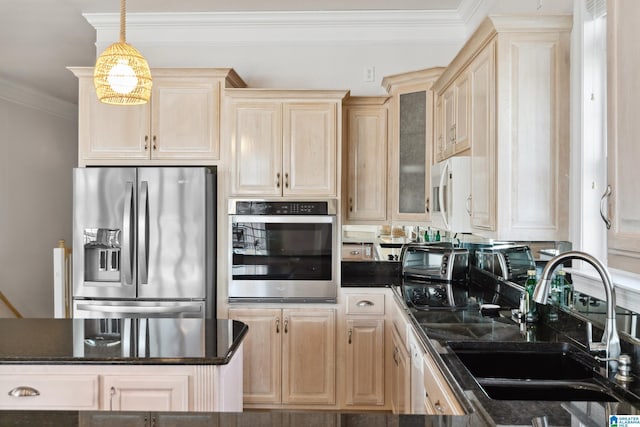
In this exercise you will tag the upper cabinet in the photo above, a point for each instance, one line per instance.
(366, 129)
(623, 88)
(512, 76)
(180, 124)
(411, 143)
(452, 119)
(284, 143)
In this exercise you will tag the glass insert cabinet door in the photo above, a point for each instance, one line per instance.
(413, 155)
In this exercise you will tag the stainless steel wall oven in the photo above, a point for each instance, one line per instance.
(283, 251)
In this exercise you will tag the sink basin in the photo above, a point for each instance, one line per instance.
(544, 361)
(532, 371)
(574, 391)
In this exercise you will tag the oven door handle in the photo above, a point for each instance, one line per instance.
(269, 219)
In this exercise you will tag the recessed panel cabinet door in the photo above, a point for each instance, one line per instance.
(365, 362)
(262, 354)
(309, 148)
(145, 393)
(623, 145)
(308, 356)
(256, 148)
(185, 119)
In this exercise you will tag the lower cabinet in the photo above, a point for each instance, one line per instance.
(82, 387)
(141, 393)
(289, 356)
(401, 375)
(439, 399)
(365, 362)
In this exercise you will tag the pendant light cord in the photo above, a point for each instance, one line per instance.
(122, 21)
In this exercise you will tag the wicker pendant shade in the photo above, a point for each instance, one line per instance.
(121, 74)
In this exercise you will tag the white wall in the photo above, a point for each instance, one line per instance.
(38, 149)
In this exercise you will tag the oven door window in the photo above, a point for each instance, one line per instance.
(281, 251)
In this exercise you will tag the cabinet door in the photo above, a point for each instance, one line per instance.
(449, 120)
(309, 149)
(412, 155)
(440, 400)
(256, 148)
(483, 142)
(367, 163)
(401, 376)
(461, 126)
(365, 362)
(110, 132)
(438, 143)
(185, 119)
(262, 354)
(623, 147)
(309, 368)
(145, 393)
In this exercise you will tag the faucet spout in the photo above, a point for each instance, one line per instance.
(610, 339)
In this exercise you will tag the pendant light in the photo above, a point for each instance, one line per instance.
(121, 75)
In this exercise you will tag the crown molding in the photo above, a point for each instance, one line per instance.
(27, 97)
(290, 27)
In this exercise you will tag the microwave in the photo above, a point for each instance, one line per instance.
(441, 262)
(451, 194)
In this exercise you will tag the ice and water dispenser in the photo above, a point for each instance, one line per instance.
(102, 255)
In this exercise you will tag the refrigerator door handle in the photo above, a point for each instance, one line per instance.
(143, 325)
(143, 233)
(127, 232)
(126, 338)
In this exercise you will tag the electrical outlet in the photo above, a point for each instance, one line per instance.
(369, 74)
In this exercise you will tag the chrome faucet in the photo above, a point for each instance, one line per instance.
(610, 341)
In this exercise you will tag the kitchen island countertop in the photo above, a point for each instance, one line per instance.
(155, 341)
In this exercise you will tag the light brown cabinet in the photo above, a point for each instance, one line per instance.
(284, 143)
(362, 346)
(180, 124)
(400, 374)
(623, 237)
(289, 356)
(452, 135)
(366, 129)
(517, 72)
(411, 143)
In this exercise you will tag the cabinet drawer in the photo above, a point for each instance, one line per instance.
(357, 251)
(73, 392)
(365, 304)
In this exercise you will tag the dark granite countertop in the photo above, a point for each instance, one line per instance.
(439, 330)
(119, 341)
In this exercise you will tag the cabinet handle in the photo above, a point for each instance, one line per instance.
(277, 326)
(146, 142)
(112, 392)
(286, 325)
(469, 205)
(278, 180)
(426, 205)
(603, 201)
(286, 180)
(365, 303)
(24, 391)
(350, 334)
(350, 204)
(153, 421)
(355, 252)
(155, 147)
(438, 406)
(395, 355)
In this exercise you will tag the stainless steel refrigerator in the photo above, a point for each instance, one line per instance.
(144, 242)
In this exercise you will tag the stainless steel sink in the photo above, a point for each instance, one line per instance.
(532, 371)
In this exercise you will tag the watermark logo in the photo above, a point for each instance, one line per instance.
(624, 421)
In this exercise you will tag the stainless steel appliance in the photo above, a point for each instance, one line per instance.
(451, 194)
(283, 251)
(509, 262)
(439, 261)
(144, 242)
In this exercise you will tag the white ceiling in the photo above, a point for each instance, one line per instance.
(40, 38)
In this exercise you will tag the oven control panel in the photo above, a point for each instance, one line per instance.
(281, 208)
